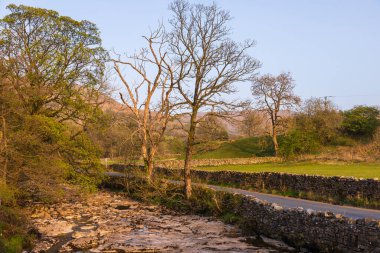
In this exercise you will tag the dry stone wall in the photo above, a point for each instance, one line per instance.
(178, 164)
(340, 189)
(363, 192)
(319, 232)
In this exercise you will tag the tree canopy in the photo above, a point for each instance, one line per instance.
(53, 63)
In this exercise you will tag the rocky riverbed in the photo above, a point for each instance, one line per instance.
(109, 222)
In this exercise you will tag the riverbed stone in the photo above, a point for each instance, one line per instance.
(102, 227)
(84, 243)
(54, 228)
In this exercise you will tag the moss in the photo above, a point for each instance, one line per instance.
(13, 245)
(230, 218)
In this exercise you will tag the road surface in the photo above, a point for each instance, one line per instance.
(288, 202)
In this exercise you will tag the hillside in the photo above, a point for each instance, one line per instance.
(241, 148)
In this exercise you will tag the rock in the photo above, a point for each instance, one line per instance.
(87, 227)
(79, 234)
(40, 215)
(277, 207)
(56, 228)
(43, 246)
(280, 245)
(84, 243)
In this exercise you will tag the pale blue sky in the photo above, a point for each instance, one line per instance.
(332, 47)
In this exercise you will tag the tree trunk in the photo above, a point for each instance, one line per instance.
(148, 165)
(4, 147)
(188, 155)
(275, 143)
(149, 170)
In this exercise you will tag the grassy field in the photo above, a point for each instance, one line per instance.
(359, 170)
(242, 148)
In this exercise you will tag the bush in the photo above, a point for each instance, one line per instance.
(320, 117)
(7, 195)
(14, 236)
(298, 142)
(361, 121)
(45, 153)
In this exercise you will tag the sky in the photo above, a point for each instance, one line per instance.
(331, 47)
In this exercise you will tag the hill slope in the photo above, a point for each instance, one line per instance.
(242, 148)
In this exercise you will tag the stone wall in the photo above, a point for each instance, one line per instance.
(319, 232)
(178, 164)
(363, 192)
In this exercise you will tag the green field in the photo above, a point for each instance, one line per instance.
(242, 148)
(359, 170)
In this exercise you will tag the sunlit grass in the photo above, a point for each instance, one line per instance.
(242, 148)
(358, 170)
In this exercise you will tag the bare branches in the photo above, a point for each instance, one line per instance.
(210, 62)
(273, 94)
(149, 93)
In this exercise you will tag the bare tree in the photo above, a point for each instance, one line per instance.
(148, 99)
(211, 63)
(273, 94)
(252, 123)
(211, 129)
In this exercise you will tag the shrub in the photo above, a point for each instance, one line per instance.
(298, 142)
(13, 230)
(7, 195)
(45, 153)
(361, 121)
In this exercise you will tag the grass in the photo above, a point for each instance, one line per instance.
(242, 148)
(358, 170)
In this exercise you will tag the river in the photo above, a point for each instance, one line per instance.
(110, 222)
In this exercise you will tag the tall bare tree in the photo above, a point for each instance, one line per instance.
(211, 63)
(273, 94)
(148, 97)
(252, 123)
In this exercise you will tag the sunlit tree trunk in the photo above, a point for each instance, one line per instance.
(188, 155)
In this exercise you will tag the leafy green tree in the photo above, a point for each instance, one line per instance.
(361, 121)
(54, 63)
(51, 83)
